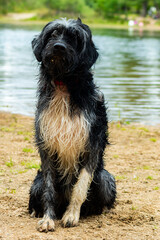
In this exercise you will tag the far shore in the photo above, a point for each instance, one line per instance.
(20, 21)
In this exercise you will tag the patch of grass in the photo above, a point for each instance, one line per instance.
(22, 171)
(29, 133)
(149, 178)
(118, 125)
(155, 227)
(124, 122)
(20, 132)
(28, 150)
(15, 124)
(30, 165)
(7, 129)
(120, 177)
(134, 208)
(25, 133)
(115, 156)
(26, 139)
(156, 188)
(12, 191)
(9, 163)
(13, 171)
(153, 139)
(144, 129)
(15, 118)
(146, 167)
(136, 178)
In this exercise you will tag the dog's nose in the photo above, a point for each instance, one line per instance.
(59, 47)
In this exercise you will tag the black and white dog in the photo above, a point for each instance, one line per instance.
(71, 128)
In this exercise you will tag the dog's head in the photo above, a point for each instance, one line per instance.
(65, 45)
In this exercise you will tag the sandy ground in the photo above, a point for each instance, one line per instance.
(134, 159)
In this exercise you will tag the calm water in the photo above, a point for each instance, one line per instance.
(128, 72)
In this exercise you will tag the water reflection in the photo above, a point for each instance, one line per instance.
(128, 72)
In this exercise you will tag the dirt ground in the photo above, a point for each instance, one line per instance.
(133, 158)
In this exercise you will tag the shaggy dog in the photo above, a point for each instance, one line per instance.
(70, 127)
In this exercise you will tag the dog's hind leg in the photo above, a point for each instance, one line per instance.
(106, 188)
(36, 192)
(102, 194)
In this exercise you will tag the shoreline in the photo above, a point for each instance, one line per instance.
(25, 23)
(122, 122)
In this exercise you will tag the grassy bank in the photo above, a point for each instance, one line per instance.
(133, 158)
(94, 21)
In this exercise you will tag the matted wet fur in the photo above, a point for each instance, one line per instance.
(71, 129)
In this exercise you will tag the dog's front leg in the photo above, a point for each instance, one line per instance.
(78, 196)
(48, 198)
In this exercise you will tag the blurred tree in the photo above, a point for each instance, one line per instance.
(66, 5)
(3, 6)
(108, 8)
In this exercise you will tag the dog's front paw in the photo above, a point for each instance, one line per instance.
(46, 224)
(70, 218)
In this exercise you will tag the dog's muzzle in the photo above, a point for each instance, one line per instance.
(59, 58)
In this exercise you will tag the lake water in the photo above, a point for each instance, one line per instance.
(128, 72)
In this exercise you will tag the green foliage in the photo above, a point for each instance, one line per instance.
(106, 8)
(75, 6)
(114, 7)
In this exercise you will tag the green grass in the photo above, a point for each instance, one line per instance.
(22, 171)
(28, 150)
(149, 178)
(30, 164)
(136, 178)
(134, 208)
(144, 129)
(156, 188)
(9, 163)
(12, 191)
(120, 177)
(26, 139)
(115, 156)
(153, 139)
(20, 133)
(146, 167)
(7, 129)
(25, 133)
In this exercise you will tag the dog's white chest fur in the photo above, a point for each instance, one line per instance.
(62, 134)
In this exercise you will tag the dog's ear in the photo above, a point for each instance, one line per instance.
(79, 21)
(93, 53)
(89, 53)
(37, 47)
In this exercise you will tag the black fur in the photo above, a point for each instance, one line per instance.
(73, 57)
